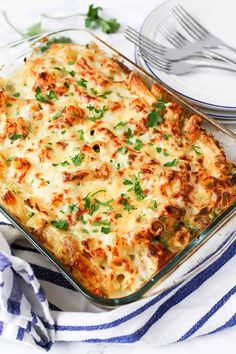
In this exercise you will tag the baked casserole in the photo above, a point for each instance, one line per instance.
(112, 177)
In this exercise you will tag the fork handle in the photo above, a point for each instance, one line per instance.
(184, 52)
(221, 57)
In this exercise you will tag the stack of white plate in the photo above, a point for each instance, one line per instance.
(212, 90)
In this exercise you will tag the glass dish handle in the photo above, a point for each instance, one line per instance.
(195, 270)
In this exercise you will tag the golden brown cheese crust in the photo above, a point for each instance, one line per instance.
(109, 176)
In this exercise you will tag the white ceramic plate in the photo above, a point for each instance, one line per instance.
(226, 117)
(210, 88)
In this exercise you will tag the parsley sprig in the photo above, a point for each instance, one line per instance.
(93, 19)
(154, 117)
(134, 184)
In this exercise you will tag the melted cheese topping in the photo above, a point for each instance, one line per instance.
(111, 177)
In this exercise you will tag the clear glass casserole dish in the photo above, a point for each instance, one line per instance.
(12, 57)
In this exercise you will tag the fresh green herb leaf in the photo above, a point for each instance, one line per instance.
(154, 119)
(105, 230)
(64, 163)
(57, 115)
(94, 91)
(105, 94)
(14, 137)
(123, 150)
(99, 113)
(60, 224)
(153, 204)
(117, 216)
(82, 82)
(93, 20)
(30, 214)
(105, 204)
(71, 62)
(51, 94)
(16, 94)
(127, 206)
(159, 150)
(166, 153)
(171, 163)
(120, 125)
(101, 222)
(81, 134)
(54, 164)
(72, 207)
(87, 202)
(78, 159)
(66, 85)
(127, 182)
(39, 96)
(166, 136)
(160, 105)
(196, 149)
(81, 218)
(138, 145)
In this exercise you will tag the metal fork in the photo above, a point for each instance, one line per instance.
(185, 52)
(174, 67)
(197, 31)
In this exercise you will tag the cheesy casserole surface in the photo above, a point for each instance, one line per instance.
(108, 175)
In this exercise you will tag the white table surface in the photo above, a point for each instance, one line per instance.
(132, 12)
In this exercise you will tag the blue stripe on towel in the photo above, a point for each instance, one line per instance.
(209, 314)
(230, 323)
(14, 301)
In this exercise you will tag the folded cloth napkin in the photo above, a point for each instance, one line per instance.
(38, 306)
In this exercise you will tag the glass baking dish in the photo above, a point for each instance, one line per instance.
(12, 56)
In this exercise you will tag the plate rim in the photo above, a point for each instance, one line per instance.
(199, 102)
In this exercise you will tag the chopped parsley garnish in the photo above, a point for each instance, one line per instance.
(66, 84)
(57, 115)
(41, 98)
(123, 150)
(117, 216)
(196, 149)
(159, 150)
(64, 163)
(166, 136)
(94, 91)
(154, 119)
(129, 135)
(54, 164)
(136, 188)
(14, 137)
(105, 230)
(171, 163)
(101, 222)
(81, 218)
(120, 125)
(153, 204)
(72, 207)
(105, 94)
(127, 206)
(138, 144)
(81, 134)
(99, 113)
(165, 153)
(60, 224)
(30, 214)
(77, 159)
(51, 94)
(16, 94)
(82, 82)
(71, 62)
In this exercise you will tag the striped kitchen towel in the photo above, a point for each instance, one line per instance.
(38, 306)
